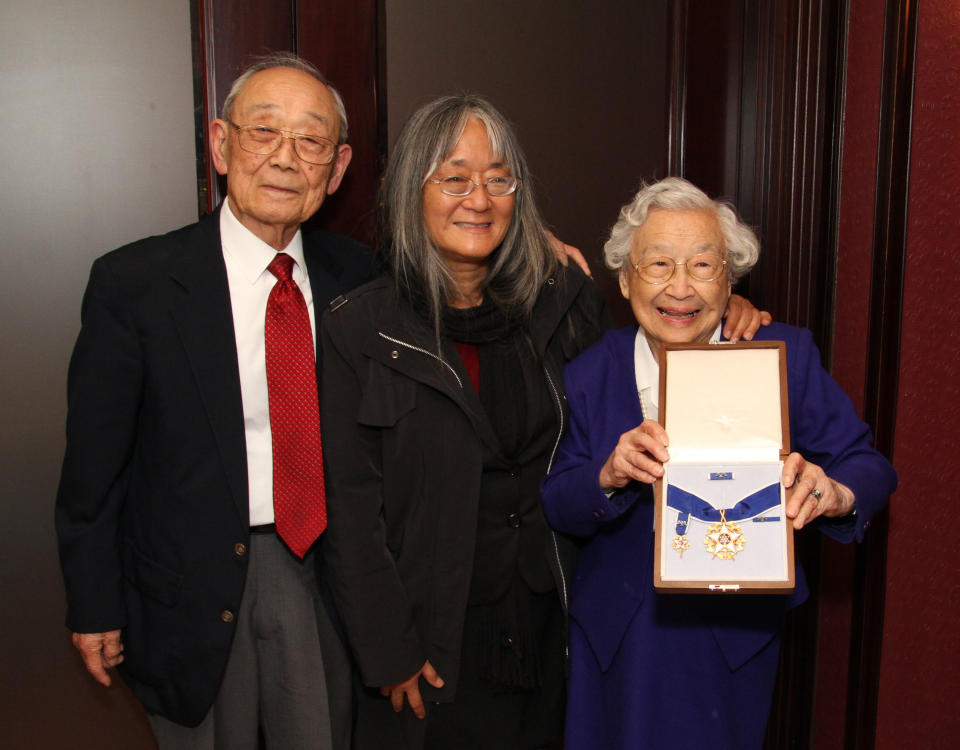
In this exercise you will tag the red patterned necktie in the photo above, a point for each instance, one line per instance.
(299, 503)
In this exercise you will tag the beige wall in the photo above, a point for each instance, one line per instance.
(97, 150)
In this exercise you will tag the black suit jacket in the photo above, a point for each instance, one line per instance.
(152, 511)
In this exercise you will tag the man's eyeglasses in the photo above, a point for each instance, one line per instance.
(261, 140)
(659, 269)
(461, 187)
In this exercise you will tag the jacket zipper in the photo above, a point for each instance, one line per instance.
(553, 454)
(437, 357)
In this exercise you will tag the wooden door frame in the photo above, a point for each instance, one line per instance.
(344, 39)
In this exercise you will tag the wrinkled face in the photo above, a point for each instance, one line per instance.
(683, 310)
(273, 194)
(467, 230)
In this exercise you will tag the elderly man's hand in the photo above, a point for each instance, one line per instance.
(639, 456)
(565, 253)
(100, 651)
(743, 319)
(410, 688)
(814, 493)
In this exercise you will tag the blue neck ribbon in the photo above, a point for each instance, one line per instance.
(690, 505)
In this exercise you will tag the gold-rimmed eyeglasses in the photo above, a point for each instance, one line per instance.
(461, 187)
(659, 269)
(263, 140)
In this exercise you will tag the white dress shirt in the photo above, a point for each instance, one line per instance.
(247, 257)
(647, 373)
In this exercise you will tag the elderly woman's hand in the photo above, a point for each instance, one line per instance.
(743, 319)
(814, 493)
(639, 455)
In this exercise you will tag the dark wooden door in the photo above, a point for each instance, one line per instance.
(341, 37)
(756, 114)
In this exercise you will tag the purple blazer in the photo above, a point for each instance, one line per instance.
(614, 572)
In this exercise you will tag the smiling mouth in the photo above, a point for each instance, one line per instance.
(473, 226)
(677, 314)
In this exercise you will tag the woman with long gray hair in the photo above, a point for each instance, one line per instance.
(442, 408)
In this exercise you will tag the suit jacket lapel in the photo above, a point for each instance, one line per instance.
(200, 305)
(324, 271)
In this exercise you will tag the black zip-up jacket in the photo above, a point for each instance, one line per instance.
(403, 440)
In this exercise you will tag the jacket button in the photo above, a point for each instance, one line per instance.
(395, 354)
(513, 520)
(515, 472)
(240, 549)
(226, 615)
(551, 281)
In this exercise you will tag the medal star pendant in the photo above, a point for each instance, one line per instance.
(681, 543)
(724, 540)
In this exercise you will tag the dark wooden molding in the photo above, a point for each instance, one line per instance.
(344, 38)
(676, 90)
(890, 219)
(754, 115)
(883, 352)
(791, 147)
(753, 111)
(201, 104)
(837, 25)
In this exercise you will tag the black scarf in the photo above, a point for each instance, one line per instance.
(503, 352)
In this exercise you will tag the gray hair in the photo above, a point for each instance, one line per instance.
(522, 262)
(286, 60)
(676, 194)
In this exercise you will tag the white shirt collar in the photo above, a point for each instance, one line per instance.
(647, 373)
(248, 253)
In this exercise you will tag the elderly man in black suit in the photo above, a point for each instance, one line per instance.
(192, 487)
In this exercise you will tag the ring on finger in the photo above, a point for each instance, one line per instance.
(816, 493)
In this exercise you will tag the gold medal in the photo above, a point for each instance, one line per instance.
(681, 544)
(724, 540)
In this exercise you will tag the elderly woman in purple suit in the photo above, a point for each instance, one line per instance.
(657, 670)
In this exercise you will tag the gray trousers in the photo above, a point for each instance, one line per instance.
(287, 677)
